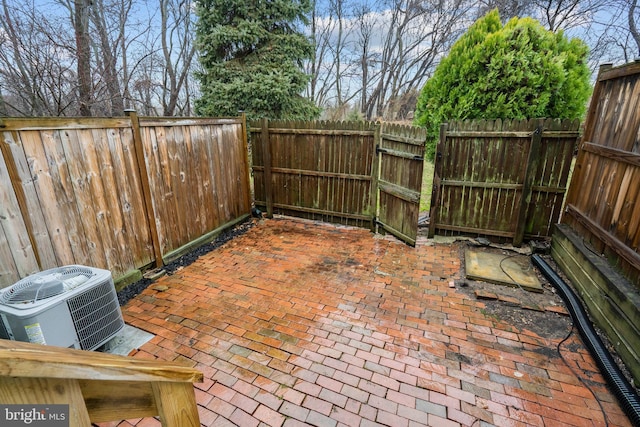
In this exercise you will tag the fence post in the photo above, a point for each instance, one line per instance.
(437, 177)
(375, 175)
(527, 185)
(245, 141)
(266, 159)
(144, 182)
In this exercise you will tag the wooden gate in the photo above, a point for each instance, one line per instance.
(401, 153)
(506, 179)
(356, 173)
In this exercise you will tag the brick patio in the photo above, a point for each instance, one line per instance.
(301, 323)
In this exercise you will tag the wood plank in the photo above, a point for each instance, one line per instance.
(51, 170)
(400, 192)
(404, 139)
(308, 172)
(489, 134)
(133, 231)
(175, 174)
(611, 300)
(22, 254)
(327, 212)
(477, 184)
(42, 391)
(266, 161)
(94, 195)
(436, 191)
(533, 160)
(213, 167)
(108, 197)
(225, 189)
(612, 153)
(20, 175)
(323, 132)
(164, 196)
(375, 173)
(180, 121)
(176, 403)
(245, 159)
(60, 123)
(142, 176)
(117, 400)
(20, 359)
(607, 72)
(611, 241)
(191, 179)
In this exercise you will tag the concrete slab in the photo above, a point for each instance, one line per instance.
(129, 338)
(508, 270)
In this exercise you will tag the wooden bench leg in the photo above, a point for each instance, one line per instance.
(42, 391)
(176, 403)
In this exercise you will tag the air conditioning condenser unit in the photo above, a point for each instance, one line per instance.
(72, 306)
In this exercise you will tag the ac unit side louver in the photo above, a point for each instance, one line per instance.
(72, 306)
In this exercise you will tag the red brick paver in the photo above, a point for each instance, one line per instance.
(301, 323)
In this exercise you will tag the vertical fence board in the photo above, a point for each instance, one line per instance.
(15, 246)
(21, 184)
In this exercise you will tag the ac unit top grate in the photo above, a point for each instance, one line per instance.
(46, 284)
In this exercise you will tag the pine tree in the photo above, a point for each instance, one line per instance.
(515, 71)
(251, 54)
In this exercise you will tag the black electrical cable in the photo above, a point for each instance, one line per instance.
(619, 385)
(604, 415)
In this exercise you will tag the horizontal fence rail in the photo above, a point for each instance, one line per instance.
(115, 193)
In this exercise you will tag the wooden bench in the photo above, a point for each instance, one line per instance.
(98, 387)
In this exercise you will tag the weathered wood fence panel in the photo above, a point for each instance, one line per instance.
(75, 186)
(199, 177)
(505, 179)
(318, 170)
(77, 191)
(598, 243)
(603, 203)
(400, 180)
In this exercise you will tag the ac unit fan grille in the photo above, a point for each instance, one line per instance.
(45, 284)
(96, 315)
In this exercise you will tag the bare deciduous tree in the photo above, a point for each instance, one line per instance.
(178, 50)
(37, 76)
(417, 34)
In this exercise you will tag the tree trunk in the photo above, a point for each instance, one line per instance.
(633, 29)
(83, 49)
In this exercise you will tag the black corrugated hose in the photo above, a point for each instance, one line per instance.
(621, 388)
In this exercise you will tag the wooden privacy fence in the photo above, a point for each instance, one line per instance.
(598, 243)
(501, 178)
(358, 173)
(116, 193)
(603, 202)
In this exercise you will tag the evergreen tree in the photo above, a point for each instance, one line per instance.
(515, 71)
(251, 53)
